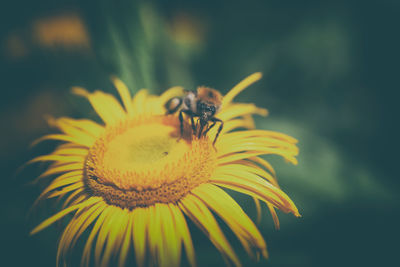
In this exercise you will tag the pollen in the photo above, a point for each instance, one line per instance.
(145, 161)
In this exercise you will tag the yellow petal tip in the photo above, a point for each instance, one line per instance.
(79, 91)
(258, 75)
(34, 231)
(262, 112)
(114, 79)
(50, 120)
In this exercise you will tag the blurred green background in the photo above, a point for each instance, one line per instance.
(331, 71)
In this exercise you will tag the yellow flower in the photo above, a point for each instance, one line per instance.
(133, 182)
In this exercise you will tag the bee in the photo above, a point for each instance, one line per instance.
(203, 103)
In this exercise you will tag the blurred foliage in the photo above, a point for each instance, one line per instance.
(330, 80)
(132, 42)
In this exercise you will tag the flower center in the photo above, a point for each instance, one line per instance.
(144, 161)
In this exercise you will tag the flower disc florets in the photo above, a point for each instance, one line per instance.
(144, 161)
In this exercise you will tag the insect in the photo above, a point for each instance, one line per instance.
(203, 103)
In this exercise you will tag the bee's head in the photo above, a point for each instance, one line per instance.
(206, 110)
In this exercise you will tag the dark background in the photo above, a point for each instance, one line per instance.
(331, 71)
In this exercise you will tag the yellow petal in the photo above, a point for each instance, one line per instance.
(201, 215)
(268, 194)
(227, 158)
(72, 231)
(171, 240)
(184, 232)
(249, 147)
(68, 126)
(155, 237)
(258, 209)
(265, 164)
(88, 126)
(251, 180)
(139, 233)
(111, 217)
(118, 224)
(274, 216)
(53, 169)
(238, 110)
(87, 142)
(246, 82)
(71, 151)
(252, 168)
(62, 213)
(105, 105)
(72, 198)
(237, 123)
(57, 158)
(83, 225)
(262, 133)
(233, 215)
(96, 228)
(66, 189)
(63, 180)
(126, 241)
(124, 94)
(138, 102)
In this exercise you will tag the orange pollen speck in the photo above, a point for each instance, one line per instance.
(143, 161)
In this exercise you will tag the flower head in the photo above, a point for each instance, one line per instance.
(133, 181)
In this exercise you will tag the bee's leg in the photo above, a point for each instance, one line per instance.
(181, 122)
(209, 128)
(196, 126)
(201, 129)
(190, 113)
(193, 125)
(192, 120)
(219, 129)
(202, 124)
